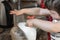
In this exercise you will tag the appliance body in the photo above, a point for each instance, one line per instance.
(6, 20)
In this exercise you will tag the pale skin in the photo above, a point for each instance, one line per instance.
(42, 24)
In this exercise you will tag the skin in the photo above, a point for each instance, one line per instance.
(42, 24)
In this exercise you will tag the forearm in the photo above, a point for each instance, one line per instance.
(31, 11)
(36, 11)
(46, 25)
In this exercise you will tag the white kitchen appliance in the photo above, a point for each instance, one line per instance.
(30, 32)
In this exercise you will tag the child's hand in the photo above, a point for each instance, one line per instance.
(29, 22)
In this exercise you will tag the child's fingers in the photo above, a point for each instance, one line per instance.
(29, 23)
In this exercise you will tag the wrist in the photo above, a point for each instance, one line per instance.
(49, 12)
(24, 11)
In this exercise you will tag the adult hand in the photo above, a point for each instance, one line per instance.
(17, 12)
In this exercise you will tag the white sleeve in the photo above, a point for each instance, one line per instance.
(44, 11)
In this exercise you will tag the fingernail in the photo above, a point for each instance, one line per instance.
(10, 13)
